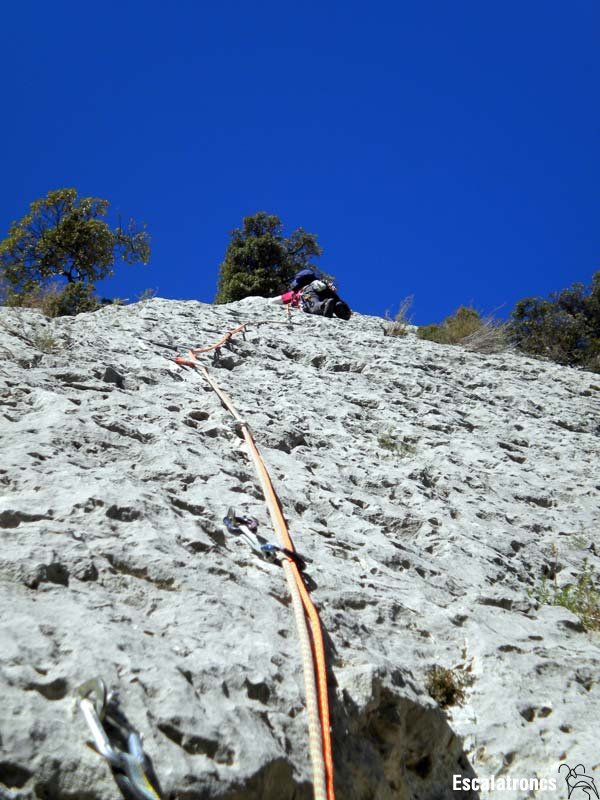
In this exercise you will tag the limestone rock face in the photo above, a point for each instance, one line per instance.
(431, 488)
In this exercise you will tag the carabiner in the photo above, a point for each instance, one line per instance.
(131, 764)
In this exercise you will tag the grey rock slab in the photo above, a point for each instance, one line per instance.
(431, 488)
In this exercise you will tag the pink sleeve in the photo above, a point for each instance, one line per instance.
(287, 297)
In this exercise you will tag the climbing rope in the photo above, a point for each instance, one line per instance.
(221, 342)
(313, 657)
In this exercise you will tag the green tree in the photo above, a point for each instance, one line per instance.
(67, 238)
(565, 327)
(260, 260)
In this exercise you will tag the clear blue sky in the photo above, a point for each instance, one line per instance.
(448, 150)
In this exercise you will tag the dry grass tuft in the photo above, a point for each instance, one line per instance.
(467, 328)
(446, 686)
(401, 323)
(491, 337)
(53, 299)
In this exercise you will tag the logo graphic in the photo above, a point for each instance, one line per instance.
(577, 779)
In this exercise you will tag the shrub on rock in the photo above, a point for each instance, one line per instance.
(65, 238)
(464, 322)
(565, 327)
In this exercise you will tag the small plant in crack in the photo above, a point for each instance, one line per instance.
(582, 597)
(389, 440)
(446, 686)
(401, 323)
(45, 342)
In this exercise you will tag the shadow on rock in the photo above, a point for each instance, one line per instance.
(275, 781)
(396, 749)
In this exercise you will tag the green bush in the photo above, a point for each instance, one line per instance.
(564, 328)
(54, 300)
(464, 322)
(581, 597)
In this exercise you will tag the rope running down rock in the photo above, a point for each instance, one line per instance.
(313, 658)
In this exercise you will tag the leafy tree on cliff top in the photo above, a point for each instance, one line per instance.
(66, 237)
(565, 327)
(260, 260)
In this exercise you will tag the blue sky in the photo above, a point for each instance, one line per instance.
(444, 150)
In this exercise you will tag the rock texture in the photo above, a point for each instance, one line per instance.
(432, 488)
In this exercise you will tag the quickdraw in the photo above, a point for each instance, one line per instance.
(248, 528)
(129, 767)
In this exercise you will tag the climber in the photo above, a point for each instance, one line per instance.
(314, 296)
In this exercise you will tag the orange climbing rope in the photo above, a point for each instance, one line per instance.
(319, 719)
(221, 342)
